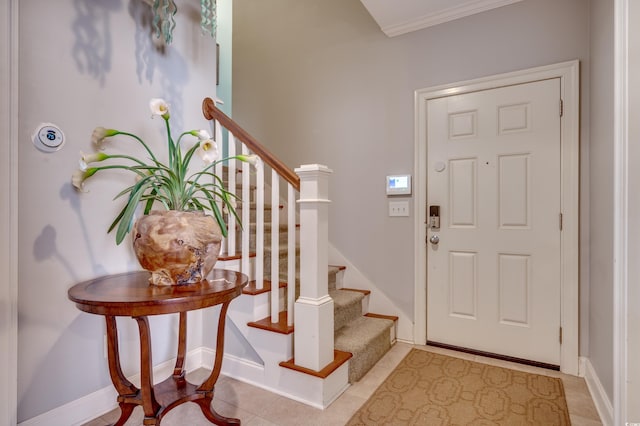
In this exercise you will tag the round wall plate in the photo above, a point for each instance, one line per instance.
(48, 137)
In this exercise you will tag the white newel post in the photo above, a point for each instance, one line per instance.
(313, 343)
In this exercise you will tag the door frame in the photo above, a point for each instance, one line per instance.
(9, 213)
(568, 72)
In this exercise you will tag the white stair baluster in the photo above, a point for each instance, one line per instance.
(291, 252)
(259, 226)
(275, 246)
(219, 171)
(246, 218)
(231, 168)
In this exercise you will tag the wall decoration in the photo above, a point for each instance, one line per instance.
(164, 22)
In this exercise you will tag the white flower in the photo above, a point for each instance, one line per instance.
(77, 179)
(159, 107)
(251, 159)
(85, 159)
(208, 151)
(202, 135)
(98, 135)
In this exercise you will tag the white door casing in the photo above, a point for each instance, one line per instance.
(568, 73)
(494, 171)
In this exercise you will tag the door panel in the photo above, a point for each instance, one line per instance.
(494, 170)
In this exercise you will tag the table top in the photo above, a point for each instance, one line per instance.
(130, 294)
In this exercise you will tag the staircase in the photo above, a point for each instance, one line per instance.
(366, 336)
(273, 348)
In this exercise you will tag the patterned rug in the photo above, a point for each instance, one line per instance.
(433, 389)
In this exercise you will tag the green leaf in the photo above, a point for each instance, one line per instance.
(218, 214)
(127, 218)
(151, 197)
(117, 219)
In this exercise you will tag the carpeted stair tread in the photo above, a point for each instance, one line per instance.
(368, 339)
(347, 307)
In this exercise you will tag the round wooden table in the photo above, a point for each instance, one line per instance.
(130, 294)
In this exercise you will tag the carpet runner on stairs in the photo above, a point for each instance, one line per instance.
(366, 338)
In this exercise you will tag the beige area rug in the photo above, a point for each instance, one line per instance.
(432, 389)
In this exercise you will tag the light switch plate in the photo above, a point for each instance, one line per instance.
(398, 208)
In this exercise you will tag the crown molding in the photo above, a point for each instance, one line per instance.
(440, 16)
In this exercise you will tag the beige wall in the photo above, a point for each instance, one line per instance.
(633, 296)
(87, 63)
(601, 208)
(8, 220)
(318, 82)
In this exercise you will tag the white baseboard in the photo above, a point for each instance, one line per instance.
(98, 403)
(600, 399)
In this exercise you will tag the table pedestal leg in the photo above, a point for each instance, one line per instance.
(206, 388)
(178, 370)
(149, 403)
(125, 389)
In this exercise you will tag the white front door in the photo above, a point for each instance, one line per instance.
(493, 168)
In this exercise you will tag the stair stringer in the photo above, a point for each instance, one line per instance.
(273, 348)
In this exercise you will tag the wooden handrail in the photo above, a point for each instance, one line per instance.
(211, 112)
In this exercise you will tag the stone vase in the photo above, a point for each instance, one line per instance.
(177, 247)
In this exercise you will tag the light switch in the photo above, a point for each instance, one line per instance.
(398, 208)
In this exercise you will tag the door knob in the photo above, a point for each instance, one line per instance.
(434, 239)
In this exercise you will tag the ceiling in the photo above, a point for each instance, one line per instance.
(397, 17)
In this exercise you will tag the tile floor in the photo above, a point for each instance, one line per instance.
(257, 407)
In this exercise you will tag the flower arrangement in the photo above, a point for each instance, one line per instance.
(171, 185)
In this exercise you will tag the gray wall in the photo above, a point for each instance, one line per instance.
(318, 82)
(633, 266)
(600, 118)
(85, 63)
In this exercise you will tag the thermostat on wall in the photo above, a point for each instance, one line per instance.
(399, 185)
(48, 137)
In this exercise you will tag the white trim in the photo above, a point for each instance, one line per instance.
(254, 374)
(582, 366)
(620, 211)
(598, 394)
(568, 72)
(104, 400)
(9, 213)
(441, 16)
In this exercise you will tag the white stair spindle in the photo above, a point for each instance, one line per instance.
(259, 260)
(231, 167)
(275, 246)
(219, 171)
(291, 252)
(246, 211)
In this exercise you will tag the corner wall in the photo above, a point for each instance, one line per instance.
(318, 82)
(82, 64)
(633, 279)
(8, 213)
(601, 192)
